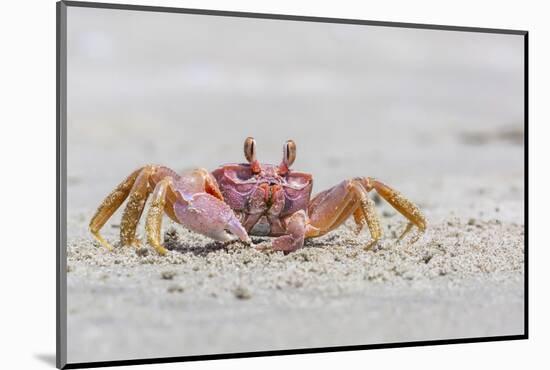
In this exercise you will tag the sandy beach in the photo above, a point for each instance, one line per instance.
(463, 279)
(207, 298)
(443, 125)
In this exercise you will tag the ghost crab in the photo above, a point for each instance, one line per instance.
(238, 200)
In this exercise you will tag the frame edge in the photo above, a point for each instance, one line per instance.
(288, 17)
(61, 171)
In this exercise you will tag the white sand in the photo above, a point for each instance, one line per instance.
(464, 278)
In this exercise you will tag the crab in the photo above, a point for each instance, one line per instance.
(242, 199)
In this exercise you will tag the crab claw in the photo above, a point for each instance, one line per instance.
(209, 216)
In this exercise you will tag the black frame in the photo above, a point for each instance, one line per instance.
(61, 173)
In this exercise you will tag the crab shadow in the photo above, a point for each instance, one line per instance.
(200, 250)
(263, 244)
(205, 249)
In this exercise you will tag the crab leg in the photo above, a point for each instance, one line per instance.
(401, 204)
(137, 185)
(154, 215)
(134, 208)
(296, 226)
(330, 208)
(369, 216)
(109, 205)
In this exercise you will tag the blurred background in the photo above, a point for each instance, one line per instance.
(185, 90)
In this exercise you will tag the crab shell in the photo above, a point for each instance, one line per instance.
(263, 199)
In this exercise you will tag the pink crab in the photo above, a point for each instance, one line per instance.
(238, 200)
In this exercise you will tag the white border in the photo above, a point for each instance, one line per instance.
(28, 181)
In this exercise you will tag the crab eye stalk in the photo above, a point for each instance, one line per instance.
(289, 153)
(250, 149)
(289, 156)
(250, 154)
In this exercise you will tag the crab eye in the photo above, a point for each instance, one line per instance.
(250, 149)
(289, 155)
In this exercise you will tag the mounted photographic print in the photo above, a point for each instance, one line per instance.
(238, 184)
